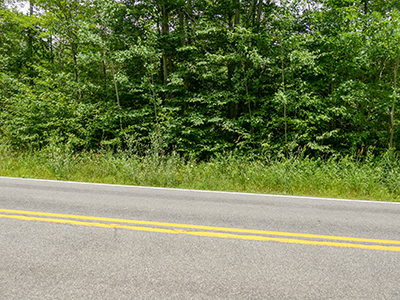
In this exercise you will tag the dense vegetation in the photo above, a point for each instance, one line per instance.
(201, 77)
(345, 177)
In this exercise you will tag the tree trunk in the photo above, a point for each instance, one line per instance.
(284, 102)
(235, 24)
(103, 66)
(365, 7)
(74, 49)
(154, 97)
(259, 11)
(251, 13)
(237, 12)
(30, 8)
(74, 52)
(182, 26)
(30, 45)
(164, 32)
(51, 49)
(116, 89)
(392, 123)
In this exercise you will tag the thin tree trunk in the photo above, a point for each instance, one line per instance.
(182, 26)
(51, 49)
(103, 65)
(73, 46)
(232, 106)
(392, 123)
(165, 68)
(251, 13)
(30, 45)
(383, 68)
(247, 98)
(259, 11)
(154, 98)
(284, 102)
(116, 90)
(164, 32)
(237, 12)
(236, 23)
(30, 8)
(74, 52)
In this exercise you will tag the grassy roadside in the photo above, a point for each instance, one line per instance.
(373, 179)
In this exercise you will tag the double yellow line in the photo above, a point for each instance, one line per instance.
(207, 231)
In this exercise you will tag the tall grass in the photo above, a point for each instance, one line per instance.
(373, 178)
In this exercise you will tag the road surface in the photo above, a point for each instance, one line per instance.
(63, 240)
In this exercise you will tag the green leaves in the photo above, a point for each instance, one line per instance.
(208, 76)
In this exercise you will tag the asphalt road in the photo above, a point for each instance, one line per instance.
(294, 248)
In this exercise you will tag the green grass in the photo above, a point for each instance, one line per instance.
(372, 179)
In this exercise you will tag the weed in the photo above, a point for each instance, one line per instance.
(377, 178)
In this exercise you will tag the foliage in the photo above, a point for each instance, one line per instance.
(375, 178)
(207, 77)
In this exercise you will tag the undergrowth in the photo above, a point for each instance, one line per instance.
(372, 178)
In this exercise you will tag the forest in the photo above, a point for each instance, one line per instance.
(201, 77)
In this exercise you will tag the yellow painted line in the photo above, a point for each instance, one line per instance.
(201, 227)
(204, 233)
